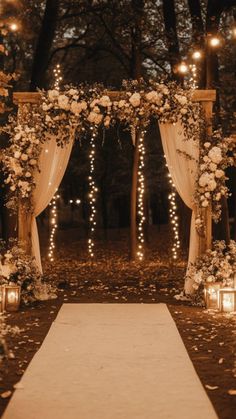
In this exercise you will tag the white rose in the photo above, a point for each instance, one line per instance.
(45, 107)
(48, 118)
(13, 188)
(63, 102)
(83, 105)
(105, 101)
(218, 196)
(135, 99)
(153, 97)
(213, 167)
(204, 203)
(94, 103)
(72, 92)
(210, 278)
(219, 173)
(32, 162)
(96, 109)
(53, 94)
(28, 174)
(95, 118)
(207, 145)
(212, 185)
(181, 99)
(76, 108)
(215, 155)
(183, 111)
(17, 154)
(18, 136)
(121, 103)
(24, 157)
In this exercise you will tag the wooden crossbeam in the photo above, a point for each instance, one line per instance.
(34, 97)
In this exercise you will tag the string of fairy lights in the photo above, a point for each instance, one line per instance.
(92, 193)
(211, 42)
(173, 217)
(53, 203)
(141, 191)
(53, 222)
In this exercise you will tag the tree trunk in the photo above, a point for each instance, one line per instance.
(136, 72)
(136, 40)
(45, 40)
(171, 36)
(198, 37)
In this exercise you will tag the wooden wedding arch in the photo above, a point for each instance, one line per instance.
(205, 97)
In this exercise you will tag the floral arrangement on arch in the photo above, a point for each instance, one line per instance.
(16, 267)
(68, 114)
(216, 155)
(216, 265)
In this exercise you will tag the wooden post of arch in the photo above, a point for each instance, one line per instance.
(205, 97)
(24, 218)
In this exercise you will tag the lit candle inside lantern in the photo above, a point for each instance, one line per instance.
(12, 297)
(228, 300)
(228, 303)
(212, 295)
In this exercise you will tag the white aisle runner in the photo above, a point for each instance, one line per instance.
(111, 361)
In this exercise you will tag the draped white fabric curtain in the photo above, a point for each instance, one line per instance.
(53, 162)
(183, 172)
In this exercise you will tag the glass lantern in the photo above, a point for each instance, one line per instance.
(12, 297)
(211, 294)
(228, 300)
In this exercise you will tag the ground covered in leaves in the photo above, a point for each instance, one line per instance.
(209, 337)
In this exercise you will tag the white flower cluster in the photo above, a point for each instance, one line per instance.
(62, 115)
(214, 159)
(216, 265)
(142, 101)
(20, 161)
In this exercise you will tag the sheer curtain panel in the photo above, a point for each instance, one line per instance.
(183, 172)
(53, 163)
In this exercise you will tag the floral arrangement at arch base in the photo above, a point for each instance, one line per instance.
(217, 265)
(16, 267)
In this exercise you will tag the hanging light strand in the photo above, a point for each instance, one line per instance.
(193, 77)
(173, 218)
(141, 191)
(57, 77)
(53, 220)
(53, 203)
(92, 193)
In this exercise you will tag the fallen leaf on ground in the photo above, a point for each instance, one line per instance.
(6, 394)
(232, 392)
(211, 387)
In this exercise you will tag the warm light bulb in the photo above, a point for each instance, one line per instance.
(13, 27)
(214, 41)
(183, 68)
(196, 55)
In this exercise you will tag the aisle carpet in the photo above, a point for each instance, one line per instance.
(111, 361)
